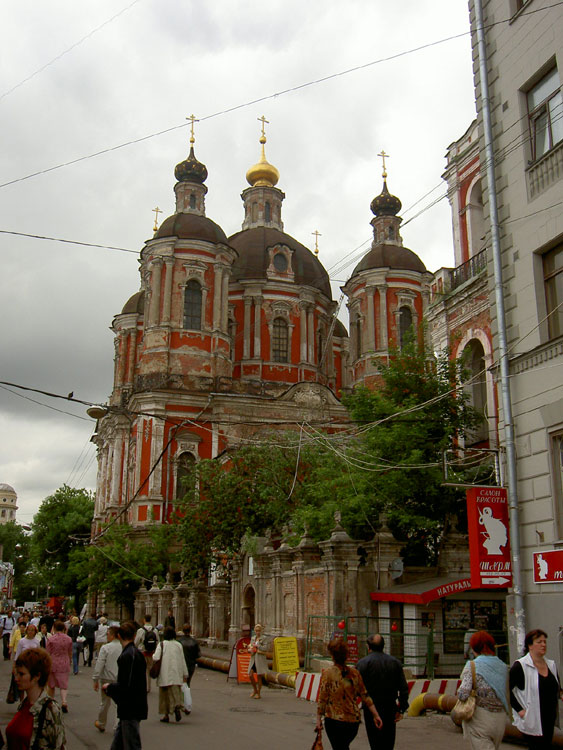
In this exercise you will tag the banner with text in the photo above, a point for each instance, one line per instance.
(489, 541)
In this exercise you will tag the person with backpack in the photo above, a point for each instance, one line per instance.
(146, 641)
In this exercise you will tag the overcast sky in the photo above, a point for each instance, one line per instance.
(145, 71)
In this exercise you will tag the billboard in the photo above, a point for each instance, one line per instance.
(489, 540)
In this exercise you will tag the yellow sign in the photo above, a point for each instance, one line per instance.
(286, 656)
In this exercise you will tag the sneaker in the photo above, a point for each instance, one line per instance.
(99, 727)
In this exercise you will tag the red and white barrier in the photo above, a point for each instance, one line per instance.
(307, 686)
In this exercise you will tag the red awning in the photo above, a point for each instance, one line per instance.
(422, 592)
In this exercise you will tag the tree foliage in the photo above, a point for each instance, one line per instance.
(390, 463)
(15, 545)
(59, 530)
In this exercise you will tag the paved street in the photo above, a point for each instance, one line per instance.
(225, 717)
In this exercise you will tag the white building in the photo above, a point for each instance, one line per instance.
(8, 503)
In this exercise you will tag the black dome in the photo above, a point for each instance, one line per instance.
(191, 227)
(390, 256)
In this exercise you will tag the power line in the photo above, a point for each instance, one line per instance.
(40, 403)
(69, 242)
(267, 97)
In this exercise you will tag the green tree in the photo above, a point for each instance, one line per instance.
(15, 544)
(59, 531)
(119, 563)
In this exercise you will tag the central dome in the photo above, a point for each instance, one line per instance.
(252, 246)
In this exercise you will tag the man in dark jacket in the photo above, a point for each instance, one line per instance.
(89, 627)
(192, 652)
(385, 682)
(129, 692)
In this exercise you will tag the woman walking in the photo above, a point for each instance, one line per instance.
(485, 729)
(535, 692)
(74, 634)
(59, 648)
(341, 693)
(173, 672)
(38, 722)
(258, 665)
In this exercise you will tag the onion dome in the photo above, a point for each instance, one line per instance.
(385, 204)
(191, 170)
(186, 226)
(262, 173)
(396, 257)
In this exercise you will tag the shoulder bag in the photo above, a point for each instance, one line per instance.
(155, 669)
(464, 710)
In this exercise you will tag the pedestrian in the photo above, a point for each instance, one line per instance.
(48, 619)
(385, 682)
(74, 634)
(43, 636)
(28, 641)
(101, 635)
(170, 620)
(129, 691)
(38, 722)
(340, 693)
(173, 672)
(258, 665)
(106, 671)
(486, 727)
(59, 648)
(9, 622)
(192, 651)
(534, 692)
(17, 634)
(146, 641)
(89, 628)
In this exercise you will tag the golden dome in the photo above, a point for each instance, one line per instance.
(262, 173)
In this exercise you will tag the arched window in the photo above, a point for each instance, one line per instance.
(477, 389)
(184, 474)
(231, 331)
(279, 341)
(358, 332)
(192, 200)
(320, 347)
(192, 306)
(255, 212)
(267, 212)
(391, 233)
(405, 323)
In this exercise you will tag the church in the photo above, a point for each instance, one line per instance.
(228, 336)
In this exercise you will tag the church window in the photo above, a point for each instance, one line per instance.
(320, 347)
(192, 200)
(231, 331)
(255, 212)
(3, 512)
(279, 341)
(477, 389)
(280, 262)
(267, 212)
(405, 323)
(184, 474)
(358, 332)
(192, 306)
(391, 233)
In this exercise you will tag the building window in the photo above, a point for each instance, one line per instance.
(320, 347)
(192, 306)
(557, 458)
(358, 332)
(405, 323)
(280, 262)
(184, 474)
(231, 331)
(192, 200)
(553, 281)
(477, 390)
(279, 341)
(545, 114)
(267, 212)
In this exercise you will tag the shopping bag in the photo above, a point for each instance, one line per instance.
(187, 696)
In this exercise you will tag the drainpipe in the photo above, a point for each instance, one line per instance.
(502, 346)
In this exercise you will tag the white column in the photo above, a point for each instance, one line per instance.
(384, 341)
(370, 320)
(303, 331)
(169, 269)
(156, 266)
(310, 334)
(246, 331)
(257, 326)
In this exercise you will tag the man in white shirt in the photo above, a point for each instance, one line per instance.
(8, 624)
(106, 671)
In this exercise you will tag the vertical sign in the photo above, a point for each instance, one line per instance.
(489, 542)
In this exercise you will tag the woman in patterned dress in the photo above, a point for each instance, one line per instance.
(59, 647)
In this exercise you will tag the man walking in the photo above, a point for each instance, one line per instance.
(146, 641)
(89, 627)
(385, 682)
(192, 651)
(106, 671)
(8, 624)
(129, 692)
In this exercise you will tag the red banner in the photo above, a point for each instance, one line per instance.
(489, 541)
(548, 566)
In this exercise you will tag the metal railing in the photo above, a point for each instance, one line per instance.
(472, 267)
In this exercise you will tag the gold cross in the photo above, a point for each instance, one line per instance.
(193, 118)
(383, 155)
(263, 121)
(157, 211)
(317, 235)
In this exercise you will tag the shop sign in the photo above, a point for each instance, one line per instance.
(548, 566)
(489, 541)
(240, 659)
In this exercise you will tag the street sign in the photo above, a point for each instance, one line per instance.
(489, 542)
(4, 589)
(548, 566)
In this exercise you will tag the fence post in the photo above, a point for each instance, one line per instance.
(430, 651)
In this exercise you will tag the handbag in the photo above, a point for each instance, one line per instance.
(155, 669)
(464, 710)
(80, 638)
(11, 697)
(318, 743)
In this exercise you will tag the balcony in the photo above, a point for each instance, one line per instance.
(545, 172)
(468, 270)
